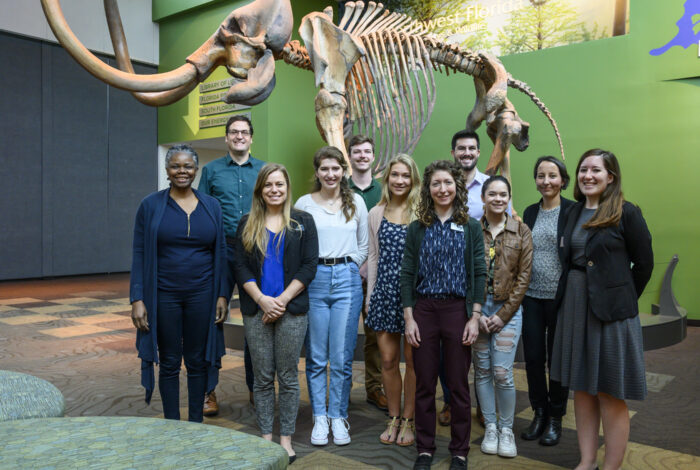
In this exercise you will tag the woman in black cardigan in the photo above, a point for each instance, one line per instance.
(546, 221)
(598, 352)
(276, 258)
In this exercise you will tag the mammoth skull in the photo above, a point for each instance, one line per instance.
(246, 43)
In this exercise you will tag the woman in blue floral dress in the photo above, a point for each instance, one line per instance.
(388, 221)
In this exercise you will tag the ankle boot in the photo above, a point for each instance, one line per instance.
(552, 433)
(537, 425)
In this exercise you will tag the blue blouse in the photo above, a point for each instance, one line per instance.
(441, 270)
(272, 279)
(185, 249)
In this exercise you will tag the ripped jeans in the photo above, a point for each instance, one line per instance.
(493, 355)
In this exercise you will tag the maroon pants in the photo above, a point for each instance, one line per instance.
(442, 321)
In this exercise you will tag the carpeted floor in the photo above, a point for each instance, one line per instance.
(77, 334)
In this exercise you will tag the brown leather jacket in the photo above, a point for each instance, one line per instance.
(512, 266)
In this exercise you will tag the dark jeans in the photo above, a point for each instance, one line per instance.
(539, 325)
(183, 324)
(441, 322)
(249, 376)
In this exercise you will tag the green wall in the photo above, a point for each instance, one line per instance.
(608, 93)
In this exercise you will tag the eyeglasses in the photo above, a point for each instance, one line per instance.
(241, 133)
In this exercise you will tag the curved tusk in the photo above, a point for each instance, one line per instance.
(168, 81)
(121, 51)
(163, 98)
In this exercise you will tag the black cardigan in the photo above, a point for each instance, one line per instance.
(619, 262)
(299, 258)
(530, 215)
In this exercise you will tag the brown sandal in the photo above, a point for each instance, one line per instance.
(392, 426)
(406, 424)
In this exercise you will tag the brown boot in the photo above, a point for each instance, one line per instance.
(445, 416)
(377, 398)
(211, 408)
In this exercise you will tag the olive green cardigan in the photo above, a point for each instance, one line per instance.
(474, 261)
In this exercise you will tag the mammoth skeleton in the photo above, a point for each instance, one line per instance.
(374, 70)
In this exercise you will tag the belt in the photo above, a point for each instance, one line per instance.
(334, 261)
(440, 297)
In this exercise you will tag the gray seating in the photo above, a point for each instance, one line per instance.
(24, 396)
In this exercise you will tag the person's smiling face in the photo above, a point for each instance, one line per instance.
(442, 189)
(181, 170)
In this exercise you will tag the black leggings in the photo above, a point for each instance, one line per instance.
(539, 325)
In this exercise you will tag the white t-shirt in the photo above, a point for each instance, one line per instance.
(336, 236)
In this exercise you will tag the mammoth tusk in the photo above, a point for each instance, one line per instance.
(121, 51)
(179, 77)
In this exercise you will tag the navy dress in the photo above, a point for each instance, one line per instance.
(385, 309)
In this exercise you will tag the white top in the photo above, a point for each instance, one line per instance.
(336, 236)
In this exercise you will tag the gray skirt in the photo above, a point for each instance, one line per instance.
(593, 356)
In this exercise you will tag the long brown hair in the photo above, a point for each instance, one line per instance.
(255, 234)
(346, 194)
(609, 209)
(413, 195)
(426, 206)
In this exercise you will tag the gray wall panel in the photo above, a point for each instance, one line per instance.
(76, 157)
(133, 159)
(20, 158)
(78, 168)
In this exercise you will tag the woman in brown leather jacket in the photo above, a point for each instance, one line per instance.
(508, 253)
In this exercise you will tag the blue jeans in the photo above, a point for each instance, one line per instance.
(493, 355)
(335, 301)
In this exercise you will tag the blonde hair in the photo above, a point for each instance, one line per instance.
(414, 194)
(255, 234)
(346, 194)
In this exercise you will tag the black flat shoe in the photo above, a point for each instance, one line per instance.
(552, 433)
(292, 458)
(537, 426)
(423, 462)
(458, 463)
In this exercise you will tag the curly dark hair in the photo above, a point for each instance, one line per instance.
(426, 206)
(346, 194)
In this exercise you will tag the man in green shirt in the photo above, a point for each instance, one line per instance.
(361, 154)
(231, 179)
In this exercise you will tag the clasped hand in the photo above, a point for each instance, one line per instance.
(492, 324)
(272, 307)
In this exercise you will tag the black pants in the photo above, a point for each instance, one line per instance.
(183, 324)
(539, 324)
(247, 361)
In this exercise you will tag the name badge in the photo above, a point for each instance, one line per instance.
(456, 228)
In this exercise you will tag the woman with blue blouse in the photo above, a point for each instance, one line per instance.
(276, 259)
(442, 289)
(546, 221)
(335, 294)
(179, 287)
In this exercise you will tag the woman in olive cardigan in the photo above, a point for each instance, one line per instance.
(442, 295)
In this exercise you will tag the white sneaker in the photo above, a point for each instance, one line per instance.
(319, 435)
(340, 427)
(506, 443)
(490, 443)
